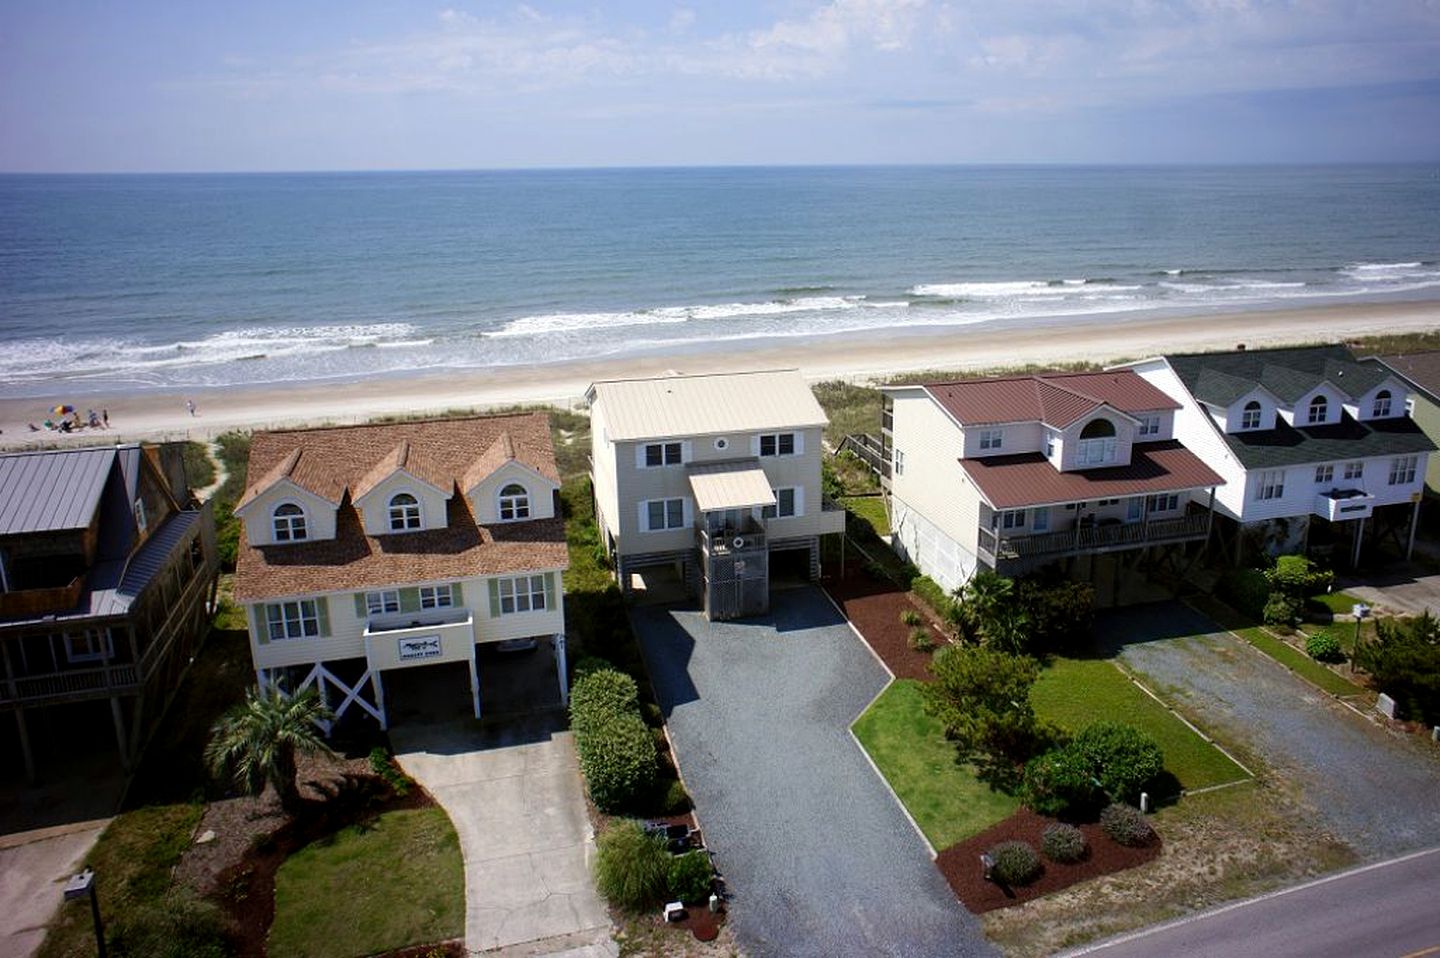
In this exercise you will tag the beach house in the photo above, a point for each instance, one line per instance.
(382, 550)
(107, 583)
(1015, 473)
(716, 477)
(1420, 372)
(1315, 447)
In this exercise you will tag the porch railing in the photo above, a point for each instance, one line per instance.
(1092, 538)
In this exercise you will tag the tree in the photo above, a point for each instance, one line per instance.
(1405, 662)
(256, 742)
(982, 696)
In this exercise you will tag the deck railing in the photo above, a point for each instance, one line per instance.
(1093, 538)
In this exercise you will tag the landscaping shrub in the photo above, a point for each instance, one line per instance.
(632, 869)
(691, 877)
(1126, 825)
(1059, 614)
(1058, 782)
(1121, 757)
(587, 664)
(1297, 577)
(1015, 863)
(384, 766)
(1063, 843)
(653, 715)
(1404, 660)
(911, 618)
(920, 639)
(1282, 609)
(602, 694)
(982, 697)
(1246, 590)
(931, 594)
(1324, 647)
(676, 800)
(616, 749)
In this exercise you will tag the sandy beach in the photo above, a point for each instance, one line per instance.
(862, 357)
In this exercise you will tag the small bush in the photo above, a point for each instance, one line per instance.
(1126, 825)
(691, 877)
(1324, 647)
(676, 800)
(1282, 610)
(1121, 757)
(1015, 863)
(384, 766)
(910, 618)
(1063, 843)
(616, 749)
(1297, 577)
(601, 694)
(1057, 782)
(920, 639)
(587, 664)
(632, 869)
(1246, 590)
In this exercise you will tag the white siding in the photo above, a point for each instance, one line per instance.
(936, 554)
(485, 497)
(374, 506)
(1195, 428)
(933, 485)
(259, 513)
(1017, 437)
(602, 473)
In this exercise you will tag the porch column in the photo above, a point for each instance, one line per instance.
(119, 717)
(1414, 522)
(379, 687)
(474, 682)
(1359, 537)
(561, 672)
(1209, 521)
(25, 751)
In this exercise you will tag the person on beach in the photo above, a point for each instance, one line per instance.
(190, 405)
(105, 417)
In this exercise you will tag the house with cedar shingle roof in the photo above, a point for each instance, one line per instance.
(1015, 473)
(369, 550)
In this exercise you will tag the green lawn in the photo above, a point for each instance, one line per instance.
(909, 746)
(1300, 663)
(1340, 603)
(869, 509)
(395, 882)
(1072, 693)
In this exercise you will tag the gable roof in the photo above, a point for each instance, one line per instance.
(413, 461)
(1028, 479)
(1420, 370)
(53, 490)
(672, 406)
(1056, 399)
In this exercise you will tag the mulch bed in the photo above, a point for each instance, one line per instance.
(873, 606)
(960, 864)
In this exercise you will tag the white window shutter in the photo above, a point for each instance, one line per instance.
(799, 451)
(755, 445)
(639, 455)
(686, 454)
(644, 516)
(687, 510)
(799, 498)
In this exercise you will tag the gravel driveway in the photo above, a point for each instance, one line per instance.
(816, 851)
(1376, 789)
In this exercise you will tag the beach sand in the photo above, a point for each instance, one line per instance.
(860, 357)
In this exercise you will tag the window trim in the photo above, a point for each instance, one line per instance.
(1379, 411)
(1324, 474)
(1402, 470)
(777, 441)
(1247, 421)
(776, 511)
(447, 590)
(898, 460)
(378, 602)
(1149, 425)
(401, 516)
(1011, 519)
(992, 439)
(663, 454)
(517, 505)
(1270, 485)
(665, 505)
(1355, 469)
(1319, 404)
(1040, 519)
(1107, 445)
(286, 624)
(519, 586)
(300, 518)
(1162, 502)
(106, 639)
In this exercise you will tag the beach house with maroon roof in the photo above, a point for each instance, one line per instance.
(1014, 473)
(371, 549)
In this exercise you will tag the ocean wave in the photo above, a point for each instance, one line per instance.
(553, 323)
(959, 292)
(1381, 267)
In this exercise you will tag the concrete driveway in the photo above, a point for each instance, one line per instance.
(1374, 788)
(33, 866)
(813, 846)
(513, 792)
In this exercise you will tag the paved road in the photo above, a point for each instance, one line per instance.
(1380, 911)
(819, 856)
(1375, 789)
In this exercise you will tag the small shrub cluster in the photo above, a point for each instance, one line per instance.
(1404, 660)
(1282, 610)
(1060, 613)
(691, 877)
(616, 750)
(1297, 577)
(1107, 761)
(587, 664)
(1324, 647)
(384, 766)
(910, 618)
(920, 639)
(632, 869)
(1063, 843)
(1014, 863)
(1126, 825)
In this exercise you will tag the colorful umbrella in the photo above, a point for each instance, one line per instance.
(63, 410)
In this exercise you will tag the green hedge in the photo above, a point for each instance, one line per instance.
(616, 749)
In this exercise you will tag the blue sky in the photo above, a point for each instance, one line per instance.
(267, 85)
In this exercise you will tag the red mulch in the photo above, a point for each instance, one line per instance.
(960, 864)
(873, 606)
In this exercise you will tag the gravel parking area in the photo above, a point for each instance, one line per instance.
(816, 851)
(1373, 788)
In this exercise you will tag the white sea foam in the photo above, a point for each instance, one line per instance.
(551, 323)
(1380, 267)
(983, 290)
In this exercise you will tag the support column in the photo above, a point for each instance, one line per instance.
(1359, 537)
(25, 750)
(379, 687)
(1414, 523)
(562, 673)
(474, 682)
(119, 718)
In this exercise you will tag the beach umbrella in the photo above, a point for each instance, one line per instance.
(63, 410)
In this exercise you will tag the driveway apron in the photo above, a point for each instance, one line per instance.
(817, 854)
(513, 794)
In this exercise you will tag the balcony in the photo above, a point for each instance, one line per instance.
(1097, 538)
(69, 685)
(420, 638)
(33, 602)
(744, 536)
(1339, 505)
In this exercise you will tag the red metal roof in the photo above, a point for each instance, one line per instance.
(1057, 399)
(1028, 479)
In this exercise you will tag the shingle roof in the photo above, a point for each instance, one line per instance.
(1421, 370)
(1028, 479)
(1057, 399)
(352, 560)
(53, 490)
(673, 406)
(1286, 445)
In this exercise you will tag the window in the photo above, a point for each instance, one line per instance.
(662, 514)
(289, 523)
(1354, 470)
(1049, 446)
(439, 597)
(1271, 485)
(1097, 443)
(1165, 502)
(91, 645)
(404, 512)
(514, 503)
(1106, 502)
(777, 444)
(1013, 519)
(525, 593)
(1381, 406)
(140, 518)
(1149, 425)
(378, 602)
(899, 463)
(991, 438)
(1402, 470)
(1319, 411)
(1324, 474)
(293, 620)
(663, 454)
(1040, 520)
(784, 505)
(1135, 508)
(1250, 417)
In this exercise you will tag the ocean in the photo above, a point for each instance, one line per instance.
(124, 283)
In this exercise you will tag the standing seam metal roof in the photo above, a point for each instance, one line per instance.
(53, 490)
(673, 406)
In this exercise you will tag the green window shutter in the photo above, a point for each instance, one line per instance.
(259, 625)
(322, 612)
(410, 600)
(549, 590)
(494, 598)
(361, 609)
(456, 595)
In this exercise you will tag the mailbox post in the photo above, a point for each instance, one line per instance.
(81, 886)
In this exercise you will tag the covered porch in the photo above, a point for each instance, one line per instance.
(730, 533)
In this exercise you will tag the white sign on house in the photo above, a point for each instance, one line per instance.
(419, 647)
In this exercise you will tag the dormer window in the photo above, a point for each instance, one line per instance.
(514, 503)
(289, 521)
(404, 512)
(1149, 426)
(992, 438)
(1250, 416)
(1319, 411)
(1097, 443)
(1381, 407)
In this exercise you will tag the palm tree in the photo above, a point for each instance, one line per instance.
(256, 742)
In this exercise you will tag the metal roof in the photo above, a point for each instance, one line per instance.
(1028, 479)
(1057, 399)
(53, 490)
(739, 484)
(673, 406)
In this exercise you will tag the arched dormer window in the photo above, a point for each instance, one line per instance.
(1097, 443)
(1096, 428)
(1381, 407)
(289, 520)
(1250, 417)
(404, 512)
(514, 503)
(1319, 411)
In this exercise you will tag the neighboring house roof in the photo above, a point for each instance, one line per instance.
(1056, 399)
(673, 406)
(1220, 378)
(1420, 370)
(738, 484)
(52, 491)
(462, 549)
(1028, 479)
